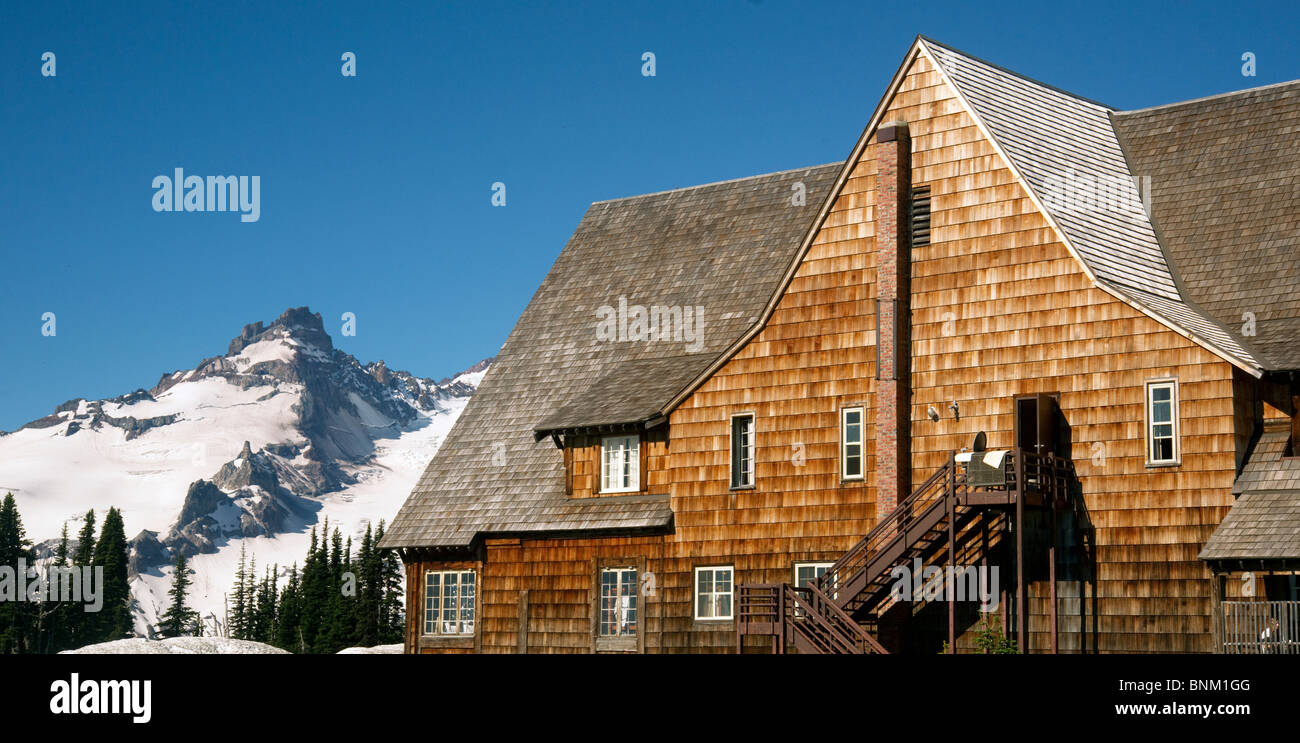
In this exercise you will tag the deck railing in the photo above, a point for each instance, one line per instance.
(1261, 627)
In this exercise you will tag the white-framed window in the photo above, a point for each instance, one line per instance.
(742, 450)
(807, 572)
(713, 592)
(1162, 421)
(620, 464)
(804, 572)
(449, 602)
(618, 611)
(851, 427)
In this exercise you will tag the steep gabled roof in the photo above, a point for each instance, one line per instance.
(1057, 143)
(1044, 135)
(1224, 172)
(721, 247)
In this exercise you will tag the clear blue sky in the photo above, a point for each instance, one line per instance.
(375, 190)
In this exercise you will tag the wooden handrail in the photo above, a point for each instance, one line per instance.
(817, 611)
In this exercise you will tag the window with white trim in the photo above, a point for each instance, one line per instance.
(713, 592)
(618, 612)
(851, 443)
(449, 602)
(1162, 422)
(804, 572)
(620, 464)
(742, 450)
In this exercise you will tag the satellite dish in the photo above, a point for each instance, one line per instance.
(981, 442)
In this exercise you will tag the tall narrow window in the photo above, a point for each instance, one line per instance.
(851, 444)
(713, 592)
(742, 451)
(449, 602)
(1162, 422)
(618, 588)
(620, 464)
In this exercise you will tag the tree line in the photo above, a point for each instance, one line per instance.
(339, 598)
(37, 624)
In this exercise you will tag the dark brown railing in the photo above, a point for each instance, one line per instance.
(804, 617)
(817, 617)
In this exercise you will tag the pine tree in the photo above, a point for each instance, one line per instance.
(315, 593)
(61, 552)
(179, 620)
(334, 635)
(249, 600)
(288, 625)
(392, 613)
(57, 628)
(85, 541)
(370, 591)
(237, 620)
(15, 613)
(114, 620)
(79, 625)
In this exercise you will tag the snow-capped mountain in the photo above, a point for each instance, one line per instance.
(251, 448)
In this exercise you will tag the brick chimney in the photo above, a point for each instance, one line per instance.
(893, 316)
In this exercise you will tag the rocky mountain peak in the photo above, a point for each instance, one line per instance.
(297, 323)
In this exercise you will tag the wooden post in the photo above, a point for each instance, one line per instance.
(1051, 573)
(952, 552)
(1020, 550)
(1216, 611)
(780, 621)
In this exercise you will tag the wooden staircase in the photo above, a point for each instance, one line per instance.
(834, 613)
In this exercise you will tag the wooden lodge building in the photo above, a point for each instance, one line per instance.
(733, 412)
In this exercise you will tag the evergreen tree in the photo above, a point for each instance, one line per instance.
(15, 614)
(369, 591)
(114, 620)
(265, 608)
(288, 625)
(179, 620)
(79, 625)
(58, 622)
(61, 552)
(237, 621)
(86, 541)
(392, 614)
(315, 593)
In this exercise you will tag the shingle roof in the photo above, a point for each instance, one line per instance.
(722, 247)
(1224, 197)
(1060, 143)
(1264, 523)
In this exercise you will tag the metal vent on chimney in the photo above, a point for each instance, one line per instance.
(920, 216)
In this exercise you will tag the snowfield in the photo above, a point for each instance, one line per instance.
(178, 646)
(379, 492)
(376, 650)
(56, 477)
